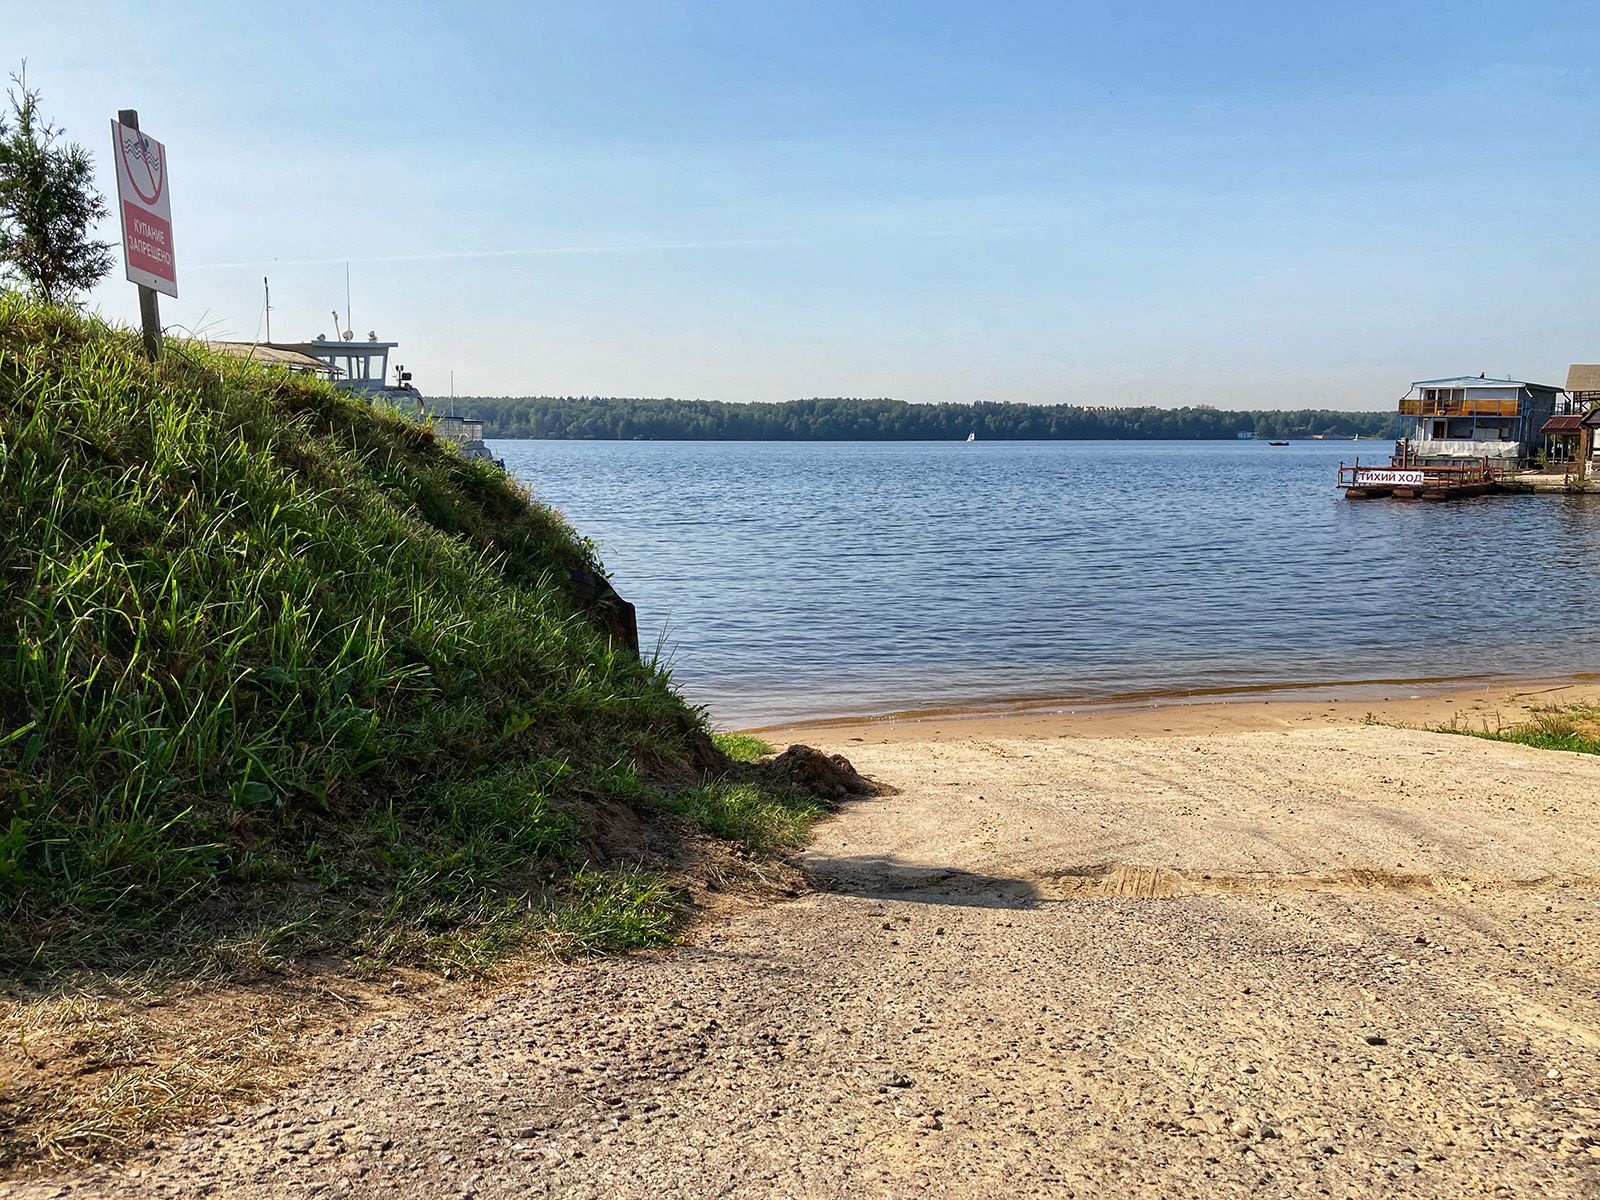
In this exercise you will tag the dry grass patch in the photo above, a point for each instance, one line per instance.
(97, 1071)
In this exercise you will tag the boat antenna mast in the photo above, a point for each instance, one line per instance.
(266, 289)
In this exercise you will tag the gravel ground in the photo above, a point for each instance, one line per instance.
(1345, 961)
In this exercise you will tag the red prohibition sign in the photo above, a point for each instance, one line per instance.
(154, 172)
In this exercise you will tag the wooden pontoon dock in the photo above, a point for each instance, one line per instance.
(1403, 479)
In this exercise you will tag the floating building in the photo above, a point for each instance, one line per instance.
(1470, 418)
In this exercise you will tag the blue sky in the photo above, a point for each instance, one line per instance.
(1228, 203)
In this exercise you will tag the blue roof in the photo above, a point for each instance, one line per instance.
(1482, 381)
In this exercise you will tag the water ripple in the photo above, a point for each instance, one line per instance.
(799, 580)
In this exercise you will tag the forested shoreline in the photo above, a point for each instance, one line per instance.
(849, 419)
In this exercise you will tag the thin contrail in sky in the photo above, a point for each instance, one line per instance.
(618, 248)
(621, 248)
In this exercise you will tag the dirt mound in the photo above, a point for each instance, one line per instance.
(807, 769)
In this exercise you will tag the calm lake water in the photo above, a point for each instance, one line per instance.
(804, 580)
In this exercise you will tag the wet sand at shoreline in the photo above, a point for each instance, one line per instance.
(1415, 703)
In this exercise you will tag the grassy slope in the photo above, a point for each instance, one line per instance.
(279, 670)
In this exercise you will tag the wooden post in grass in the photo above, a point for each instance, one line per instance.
(149, 305)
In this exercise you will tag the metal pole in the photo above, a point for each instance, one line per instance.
(149, 305)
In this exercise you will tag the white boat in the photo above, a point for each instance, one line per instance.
(363, 367)
(973, 436)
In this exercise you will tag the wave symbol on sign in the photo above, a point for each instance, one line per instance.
(140, 148)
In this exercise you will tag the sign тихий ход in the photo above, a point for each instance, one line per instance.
(144, 203)
(1376, 476)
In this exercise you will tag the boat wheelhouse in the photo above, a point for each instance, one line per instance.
(359, 366)
(1472, 418)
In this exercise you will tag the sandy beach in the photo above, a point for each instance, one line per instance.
(1264, 949)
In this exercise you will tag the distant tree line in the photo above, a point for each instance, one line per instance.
(838, 420)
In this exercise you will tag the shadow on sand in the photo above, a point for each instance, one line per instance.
(882, 877)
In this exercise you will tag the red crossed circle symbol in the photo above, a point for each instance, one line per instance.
(153, 168)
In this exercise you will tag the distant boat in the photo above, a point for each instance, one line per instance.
(973, 436)
(1277, 443)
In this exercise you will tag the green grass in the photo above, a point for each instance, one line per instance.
(279, 670)
(591, 911)
(741, 747)
(615, 910)
(761, 819)
(1572, 727)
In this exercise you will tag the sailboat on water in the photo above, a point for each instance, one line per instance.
(973, 436)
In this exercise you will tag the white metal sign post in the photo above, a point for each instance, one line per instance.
(144, 206)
